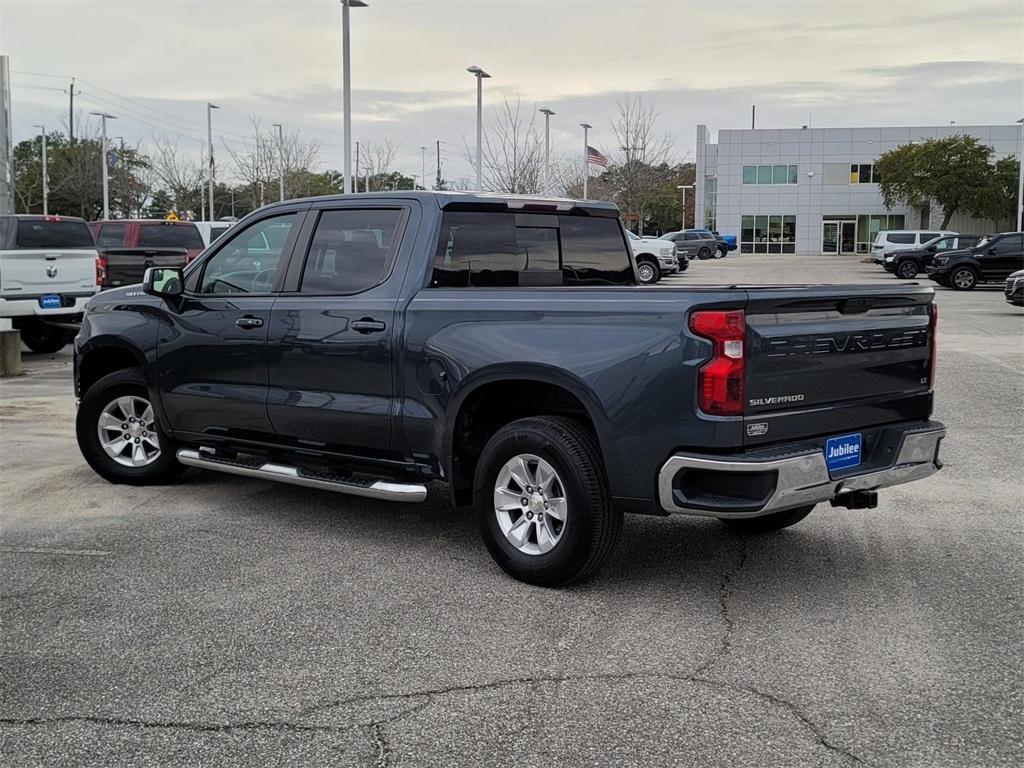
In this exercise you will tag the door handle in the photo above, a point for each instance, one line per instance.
(368, 325)
(248, 323)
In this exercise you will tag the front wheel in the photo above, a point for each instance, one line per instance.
(704, 252)
(963, 279)
(648, 272)
(118, 434)
(776, 521)
(907, 270)
(542, 501)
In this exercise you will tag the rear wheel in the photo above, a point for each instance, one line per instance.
(542, 501)
(704, 252)
(963, 279)
(43, 338)
(648, 272)
(768, 523)
(907, 269)
(118, 434)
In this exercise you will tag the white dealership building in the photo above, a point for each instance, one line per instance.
(815, 190)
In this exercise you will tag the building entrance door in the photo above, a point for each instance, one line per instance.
(830, 237)
(847, 236)
(838, 237)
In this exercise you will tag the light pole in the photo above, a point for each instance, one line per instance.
(104, 149)
(46, 181)
(685, 187)
(346, 90)
(547, 148)
(280, 156)
(209, 142)
(1020, 178)
(586, 150)
(479, 74)
(423, 153)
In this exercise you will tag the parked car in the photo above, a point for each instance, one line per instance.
(726, 243)
(655, 257)
(47, 274)
(211, 230)
(893, 240)
(700, 245)
(127, 266)
(1014, 288)
(498, 344)
(992, 260)
(149, 233)
(906, 264)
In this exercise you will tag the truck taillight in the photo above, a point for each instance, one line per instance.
(933, 332)
(101, 270)
(720, 380)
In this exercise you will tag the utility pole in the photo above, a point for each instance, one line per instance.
(280, 155)
(71, 112)
(232, 202)
(46, 181)
(1020, 178)
(6, 143)
(753, 115)
(209, 140)
(423, 177)
(124, 179)
(356, 185)
(103, 116)
(586, 153)
(547, 149)
(437, 185)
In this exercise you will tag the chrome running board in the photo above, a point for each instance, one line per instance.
(266, 470)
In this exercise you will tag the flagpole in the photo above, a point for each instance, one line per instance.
(586, 169)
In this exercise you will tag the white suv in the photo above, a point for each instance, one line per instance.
(892, 240)
(654, 257)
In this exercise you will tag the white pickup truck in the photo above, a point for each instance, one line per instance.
(47, 274)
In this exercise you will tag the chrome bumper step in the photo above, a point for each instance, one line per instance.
(282, 473)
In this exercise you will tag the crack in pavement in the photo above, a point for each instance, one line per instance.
(724, 593)
(383, 748)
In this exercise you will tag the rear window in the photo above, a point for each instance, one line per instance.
(478, 249)
(40, 233)
(216, 232)
(901, 238)
(169, 235)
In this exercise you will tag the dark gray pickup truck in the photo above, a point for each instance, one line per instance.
(372, 344)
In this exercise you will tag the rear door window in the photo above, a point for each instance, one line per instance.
(351, 250)
(45, 233)
(170, 235)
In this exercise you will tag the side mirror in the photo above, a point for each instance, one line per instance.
(163, 281)
(932, 248)
(992, 250)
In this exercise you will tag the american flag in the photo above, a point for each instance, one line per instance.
(596, 158)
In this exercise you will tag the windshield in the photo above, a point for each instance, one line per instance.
(984, 241)
(170, 235)
(631, 235)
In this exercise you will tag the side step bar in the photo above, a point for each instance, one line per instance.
(265, 470)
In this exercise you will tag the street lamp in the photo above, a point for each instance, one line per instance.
(209, 141)
(547, 149)
(346, 89)
(46, 181)
(685, 187)
(280, 154)
(104, 149)
(479, 74)
(586, 149)
(1020, 178)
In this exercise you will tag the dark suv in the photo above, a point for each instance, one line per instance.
(907, 264)
(992, 260)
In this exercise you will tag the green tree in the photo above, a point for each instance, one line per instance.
(956, 173)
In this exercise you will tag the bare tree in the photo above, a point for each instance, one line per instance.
(375, 162)
(261, 160)
(643, 157)
(178, 171)
(512, 150)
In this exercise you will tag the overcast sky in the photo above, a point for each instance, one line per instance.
(833, 63)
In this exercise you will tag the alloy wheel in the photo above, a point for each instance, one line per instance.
(530, 504)
(127, 431)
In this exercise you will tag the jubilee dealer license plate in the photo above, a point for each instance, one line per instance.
(842, 452)
(50, 301)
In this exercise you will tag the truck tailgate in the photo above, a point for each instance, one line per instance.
(127, 266)
(43, 271)
(825, 359)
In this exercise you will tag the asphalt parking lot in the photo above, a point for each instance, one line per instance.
(230, 622)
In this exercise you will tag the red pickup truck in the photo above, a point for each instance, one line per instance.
(148, 233)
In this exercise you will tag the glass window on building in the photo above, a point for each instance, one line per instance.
(864, 173)
(768, 233)
(869, 225)
(710, 202)
(769, 174)
(750, 174)
(764, 174)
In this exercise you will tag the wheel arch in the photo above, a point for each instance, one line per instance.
(493, 397)
(98, 358)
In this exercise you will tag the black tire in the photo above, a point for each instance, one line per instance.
(165, 466)
(768, 523)
(719, 253)
(592, 525)
(648, 271)
(963, 279)
(907, 269)
(704, 252)
(45, 339)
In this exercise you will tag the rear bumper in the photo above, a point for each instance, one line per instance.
(761, 486)
(29, 307)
